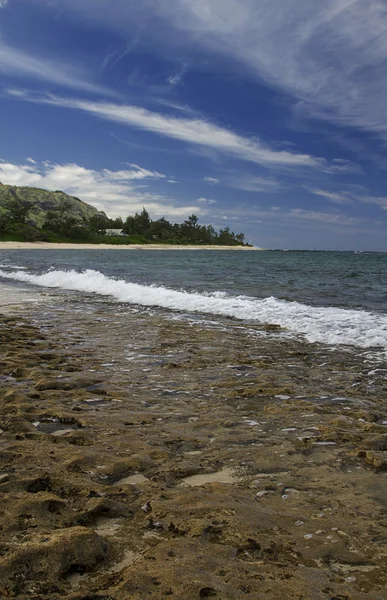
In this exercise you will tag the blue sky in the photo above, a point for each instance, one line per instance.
(262, 115)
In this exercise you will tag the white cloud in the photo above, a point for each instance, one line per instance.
(341, 165)
(331, 55)
(18, 63)
(206, 201)
(3, 3)
(250, 183)
(328, 54)
(349, 197)
(300, 218)
(136, 172)
(19, 175)
(111, 191)
(331, 218)
(212, 180)
(174, 79)
(197, 132)
(31, 160)
(380, 201)
(337, 198)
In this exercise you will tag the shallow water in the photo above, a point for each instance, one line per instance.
(338, 298)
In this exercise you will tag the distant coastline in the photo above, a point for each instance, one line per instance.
(70, 246)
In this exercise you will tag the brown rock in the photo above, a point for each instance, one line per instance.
(67, 384)
(35, 566)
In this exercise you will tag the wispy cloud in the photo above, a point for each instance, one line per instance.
(336, 197)
(206, 201)
(302, 218)
(246, 182)
(350, 197)
(323, 217)
(177, 77)
(211, 180)
(174, 79)
(114, 192)
(330, 55)
(197, 132)
(380, 201)
(112, 58)
(17, 63)
(250, 183)
(3, 3)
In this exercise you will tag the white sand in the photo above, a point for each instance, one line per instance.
(50, 246)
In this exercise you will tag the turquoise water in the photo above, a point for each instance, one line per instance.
(331, 297)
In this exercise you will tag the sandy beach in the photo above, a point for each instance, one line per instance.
(147, 458)
(50, 246)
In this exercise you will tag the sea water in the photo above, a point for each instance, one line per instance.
(336, 298)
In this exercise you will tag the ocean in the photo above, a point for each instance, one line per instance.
(334, 298)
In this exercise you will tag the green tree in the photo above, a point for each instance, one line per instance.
(161, 229)
(98, 224)
(138, 224)
(190, 229)
(5, 222)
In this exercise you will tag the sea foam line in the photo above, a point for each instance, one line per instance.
(330, 325)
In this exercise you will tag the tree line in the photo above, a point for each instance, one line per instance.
(62, 224)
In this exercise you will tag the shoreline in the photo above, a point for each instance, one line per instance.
(75, 246)
(194, 463)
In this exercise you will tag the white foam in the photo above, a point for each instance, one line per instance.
(9, 266)
(328, 325)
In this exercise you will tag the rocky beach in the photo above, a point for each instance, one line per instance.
(147, 457)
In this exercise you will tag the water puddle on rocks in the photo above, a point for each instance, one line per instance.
(54, 426)
(226, 475)
(106, 526)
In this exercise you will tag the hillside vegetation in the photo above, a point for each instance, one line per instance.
(32, 214)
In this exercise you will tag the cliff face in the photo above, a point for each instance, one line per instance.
(42, 201)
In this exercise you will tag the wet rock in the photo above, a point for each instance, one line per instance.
(35, 566)
(67, 384)
(25, 511)
(103, 507)
(168, 540)
(77, 438)
(377, 460)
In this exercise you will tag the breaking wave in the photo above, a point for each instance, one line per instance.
(329, 325)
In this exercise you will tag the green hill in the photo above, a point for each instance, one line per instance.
(42, 201)
(30, 214)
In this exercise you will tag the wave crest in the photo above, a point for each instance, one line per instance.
(327, 325)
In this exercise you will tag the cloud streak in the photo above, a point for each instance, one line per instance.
(196, 132)
(335, 197)
(17, 63)
(350, 197)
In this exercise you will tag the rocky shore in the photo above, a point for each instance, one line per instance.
(145, 457)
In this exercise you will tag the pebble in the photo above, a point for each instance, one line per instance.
(262, 493)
